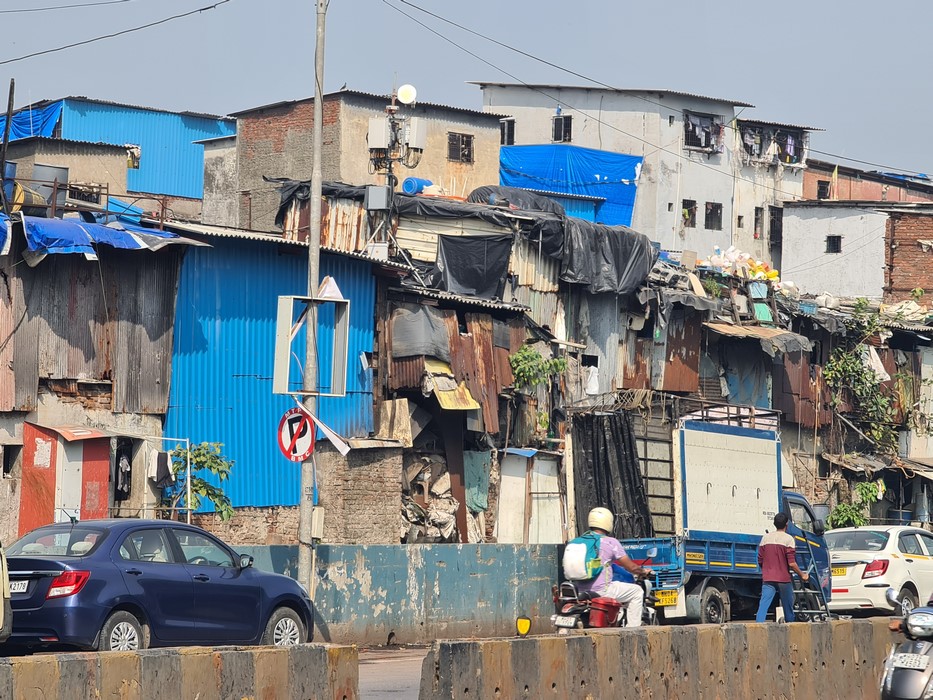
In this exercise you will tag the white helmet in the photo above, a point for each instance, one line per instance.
(601, 518)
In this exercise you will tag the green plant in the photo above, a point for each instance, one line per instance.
(917, 293)
(204, 455)
(712, 287)
(853, 514)
(531, 369)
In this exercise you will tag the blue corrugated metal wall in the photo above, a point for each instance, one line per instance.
(170, 163)
(222, 362)
(579, 208)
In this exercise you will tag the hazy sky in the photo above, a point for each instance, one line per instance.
(858, 69)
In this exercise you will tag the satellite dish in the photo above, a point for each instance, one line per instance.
(406, 94)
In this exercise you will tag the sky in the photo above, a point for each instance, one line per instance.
(858, 69)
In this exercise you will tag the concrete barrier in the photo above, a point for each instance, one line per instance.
(307, 672)
(840, 659)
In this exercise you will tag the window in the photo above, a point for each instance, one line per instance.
(460, 147)
(927, 541)
(822, 189)
(133, 154)
(563, 128)
(833, 244)
(740, 221)
(147, 545)
(800, 516)
(703, 132)
(789, 146)
(202, 550)
(775, 225)
(713, 219)
(759, 221)
(753, 140)
(690, 213)
(909, 544)
(507, 132)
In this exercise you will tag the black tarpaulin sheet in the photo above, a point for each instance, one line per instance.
(474, 265)
(419, 330)
(606, 258)
(515, 198)
(606, 473)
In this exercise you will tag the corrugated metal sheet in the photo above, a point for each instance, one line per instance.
(532, 267)
(579, 208)
(223, 358)
(405, 372)
(418, 235)
(544, 307)
(681, 352)
(480, 327)
(170, 162)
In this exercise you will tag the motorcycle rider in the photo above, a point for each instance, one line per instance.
(600, 521)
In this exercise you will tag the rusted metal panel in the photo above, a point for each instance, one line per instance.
(517, 334)
(480, 327)
(504, 377)
(405, 372)
(799, 390)
(636, 352)
(545, 307)
(682, 352)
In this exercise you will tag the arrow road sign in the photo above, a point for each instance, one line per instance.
(296, 435)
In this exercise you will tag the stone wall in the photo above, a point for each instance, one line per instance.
(840, 659)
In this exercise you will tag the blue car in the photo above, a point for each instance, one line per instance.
(128, 584)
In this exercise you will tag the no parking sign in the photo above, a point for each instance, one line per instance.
(296, 435)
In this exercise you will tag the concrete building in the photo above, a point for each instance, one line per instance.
(866, 249)
(461, 152)
(698, 187)
(823, 180)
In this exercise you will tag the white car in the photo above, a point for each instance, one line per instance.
(865, 561)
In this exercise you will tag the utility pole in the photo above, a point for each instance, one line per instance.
(310, 379)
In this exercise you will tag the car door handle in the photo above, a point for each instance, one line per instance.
(134, 572)
(202, 577)
(909, 561)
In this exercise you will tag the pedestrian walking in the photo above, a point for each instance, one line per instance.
(777, 559)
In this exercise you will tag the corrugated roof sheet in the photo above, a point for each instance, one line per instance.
(92, 100)
(759, 122)
(777, 337)
(359, 93)
(470, 301)
(656, 91)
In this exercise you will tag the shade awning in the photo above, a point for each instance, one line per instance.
(772, 339)
(451, 395)
(75, 236)
(74, 433)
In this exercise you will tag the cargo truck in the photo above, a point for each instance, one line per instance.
(726, 490)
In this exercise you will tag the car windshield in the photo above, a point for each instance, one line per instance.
(856, 540)
(58, 541)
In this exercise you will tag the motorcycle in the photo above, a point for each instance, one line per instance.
(908, 671)
(574, 609)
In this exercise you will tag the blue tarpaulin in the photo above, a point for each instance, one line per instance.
(565, 169)
(33, 122)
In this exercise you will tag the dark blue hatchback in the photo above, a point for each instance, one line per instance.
(131, 584)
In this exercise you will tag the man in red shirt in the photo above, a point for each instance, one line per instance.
(777, 558)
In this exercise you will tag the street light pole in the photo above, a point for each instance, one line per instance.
(310, 379)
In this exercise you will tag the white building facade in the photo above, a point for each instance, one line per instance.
(698, 187)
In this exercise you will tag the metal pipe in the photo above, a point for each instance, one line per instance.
(309, 383)
(6, 140)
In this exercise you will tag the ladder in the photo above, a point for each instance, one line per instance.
(809, 600)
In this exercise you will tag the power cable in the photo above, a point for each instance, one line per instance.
(599, 82)
(115, 34)
(62, 7)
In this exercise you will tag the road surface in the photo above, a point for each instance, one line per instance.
(391, 673)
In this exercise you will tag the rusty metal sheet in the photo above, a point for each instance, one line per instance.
(504, 377)
(517, 334)
(469, 374)
(682, 352)
(799, 390)
(480, 327)
(636, 354)
(405, 372)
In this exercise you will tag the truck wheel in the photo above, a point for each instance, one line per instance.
(714, 606)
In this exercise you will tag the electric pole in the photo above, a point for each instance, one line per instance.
(310, 379)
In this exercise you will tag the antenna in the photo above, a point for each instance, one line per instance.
(407, 94)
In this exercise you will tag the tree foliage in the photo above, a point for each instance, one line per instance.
(204, 456)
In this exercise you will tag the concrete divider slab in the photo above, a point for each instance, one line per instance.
(797, 661)
(307, 672)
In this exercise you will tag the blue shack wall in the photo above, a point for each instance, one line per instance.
(170, 163)
(222, 361)
(415, 594)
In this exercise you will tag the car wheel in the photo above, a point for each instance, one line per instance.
(284, 629)
(906, 601)
(121, 632)
(714, 606)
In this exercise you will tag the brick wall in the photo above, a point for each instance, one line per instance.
(907, 265)
(254, 526)
(361, 495)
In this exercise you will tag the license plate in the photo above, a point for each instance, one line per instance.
(665, 597)
(914, 661)
(18, 586)
(839, 571)
(564, 621)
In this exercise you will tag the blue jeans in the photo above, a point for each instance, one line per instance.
(768, 591)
